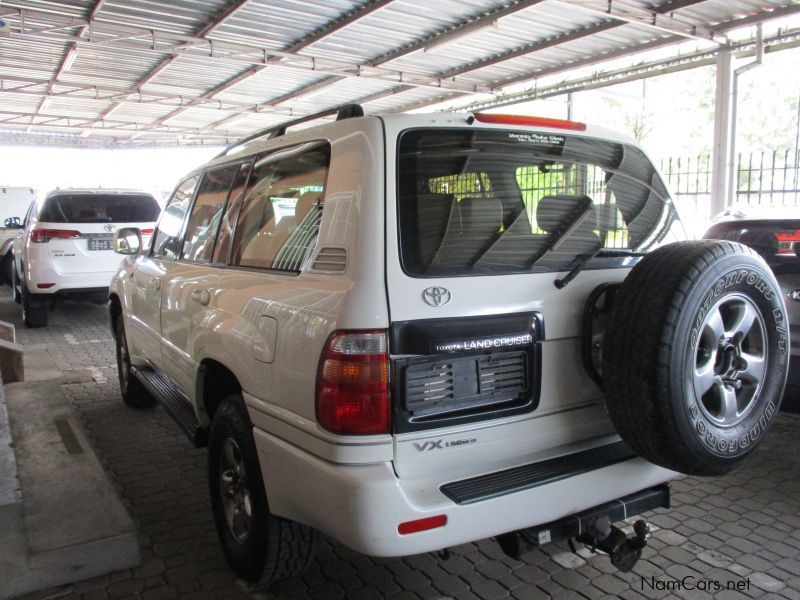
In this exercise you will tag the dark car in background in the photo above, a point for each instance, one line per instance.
(775, 235)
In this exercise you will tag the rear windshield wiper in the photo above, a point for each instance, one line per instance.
(585, 258)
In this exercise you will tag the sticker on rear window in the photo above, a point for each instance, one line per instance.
(540, 139)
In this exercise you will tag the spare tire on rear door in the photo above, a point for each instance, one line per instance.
(695, 356)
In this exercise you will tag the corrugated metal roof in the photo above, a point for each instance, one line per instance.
(205, 71)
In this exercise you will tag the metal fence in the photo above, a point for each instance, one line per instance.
(762, 179)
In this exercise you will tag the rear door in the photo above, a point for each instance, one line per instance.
(85, 225)
(487, 350)
(151, 270)
(189, 285)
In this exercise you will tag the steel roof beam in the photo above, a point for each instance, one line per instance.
(760, 17)
(478, 24)
(314, 37)
(460, 30)
(656, 18)
(652, 68)
(295, 62)
(226, 13)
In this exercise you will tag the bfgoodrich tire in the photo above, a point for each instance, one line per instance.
(695, 357)
(260, 547)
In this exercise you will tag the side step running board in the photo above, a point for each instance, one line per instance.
(173, 402)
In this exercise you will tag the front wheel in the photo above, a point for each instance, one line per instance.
(260, 547)
(131, 389)
(16, 288)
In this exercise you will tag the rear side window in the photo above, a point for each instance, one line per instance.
(167, 241)
(282, 210)
(100, 208)
(222, 248)
(207, 210)
(483, 202)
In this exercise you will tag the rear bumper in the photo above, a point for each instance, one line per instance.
(362, 505)
(40, 273)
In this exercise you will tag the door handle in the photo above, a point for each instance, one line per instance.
(155, 284)
(201, 297)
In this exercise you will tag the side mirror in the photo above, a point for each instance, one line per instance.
(127, 240)
(13, 223)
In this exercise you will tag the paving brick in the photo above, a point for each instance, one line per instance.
(745, 524)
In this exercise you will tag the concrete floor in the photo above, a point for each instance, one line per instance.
(741, 529)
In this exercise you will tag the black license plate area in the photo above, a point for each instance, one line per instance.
(446, 384)
(100, 244)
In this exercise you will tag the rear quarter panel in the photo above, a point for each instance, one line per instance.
(278, 365)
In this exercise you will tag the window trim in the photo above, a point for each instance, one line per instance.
(182, 232)
(265, 158)
(251, 161)
(185, 230)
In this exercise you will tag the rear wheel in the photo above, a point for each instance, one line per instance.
(695, 356)
(131, 389)
(35, 309)
(261, 547)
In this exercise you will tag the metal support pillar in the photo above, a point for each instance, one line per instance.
(722, 161)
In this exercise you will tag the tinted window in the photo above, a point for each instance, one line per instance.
(777, 241)
(99, 208)
(223, 246)
(201, 230)
(282, 210)
(167, 241)
(493, 201)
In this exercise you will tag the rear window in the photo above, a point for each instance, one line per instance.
(777, 241)
(100, 208)
(494, 201)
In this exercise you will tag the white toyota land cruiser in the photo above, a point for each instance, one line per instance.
(414, 331)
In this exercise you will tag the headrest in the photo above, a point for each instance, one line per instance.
(482, 213)
(558, 211)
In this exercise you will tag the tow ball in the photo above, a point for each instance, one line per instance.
(595, 528)
(623, 551)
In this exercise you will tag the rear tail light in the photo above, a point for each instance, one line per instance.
(787, 242)
(353, 383)
(40, 236)
(529, 121)
(147, 231)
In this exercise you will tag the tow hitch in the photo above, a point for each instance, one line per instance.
(623, 551)
(595, 528)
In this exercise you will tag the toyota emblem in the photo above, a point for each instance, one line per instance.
(109, 228)
(436, 296)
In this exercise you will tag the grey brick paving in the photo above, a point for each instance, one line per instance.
(746, 525)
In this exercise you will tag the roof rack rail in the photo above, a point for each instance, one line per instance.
(345, 111)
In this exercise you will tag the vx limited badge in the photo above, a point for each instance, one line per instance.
(442, 444)
(436, 296)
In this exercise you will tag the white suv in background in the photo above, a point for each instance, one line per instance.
(65, 245)
(415, 331)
